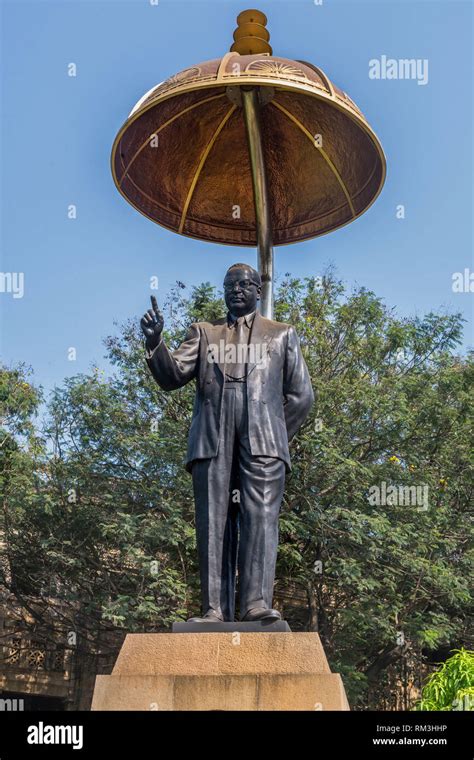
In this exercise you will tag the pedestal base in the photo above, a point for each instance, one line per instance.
(221, 671)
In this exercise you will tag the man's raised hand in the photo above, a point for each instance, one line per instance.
(152, 325)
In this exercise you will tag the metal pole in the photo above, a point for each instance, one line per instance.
(251, 108)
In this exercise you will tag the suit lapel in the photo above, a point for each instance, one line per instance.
(215, 334)
(259, 342)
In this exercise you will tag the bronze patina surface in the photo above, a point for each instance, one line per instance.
(182, 156)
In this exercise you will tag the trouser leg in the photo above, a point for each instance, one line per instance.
(216, 519)
(262, 485)
(262, 482)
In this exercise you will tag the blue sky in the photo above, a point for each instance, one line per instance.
(82, 275)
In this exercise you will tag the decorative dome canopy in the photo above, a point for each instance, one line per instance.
(182, 159)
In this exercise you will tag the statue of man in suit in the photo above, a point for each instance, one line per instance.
(253, 392)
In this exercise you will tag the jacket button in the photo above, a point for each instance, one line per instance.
(208, 381)
(207, 401)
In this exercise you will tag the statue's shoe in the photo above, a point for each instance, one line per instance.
(210, 617)
(260, 613)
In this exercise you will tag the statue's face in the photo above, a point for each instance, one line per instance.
(241, 291)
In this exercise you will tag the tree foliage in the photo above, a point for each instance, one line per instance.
(97, 510)
(451, 686)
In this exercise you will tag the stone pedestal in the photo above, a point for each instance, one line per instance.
(221, 671)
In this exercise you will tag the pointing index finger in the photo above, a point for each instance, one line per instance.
(154, 303)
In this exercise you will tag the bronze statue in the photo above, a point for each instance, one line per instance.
(253, 392)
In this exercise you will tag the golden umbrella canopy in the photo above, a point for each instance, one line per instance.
(183, 158)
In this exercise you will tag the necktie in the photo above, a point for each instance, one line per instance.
(237, 338)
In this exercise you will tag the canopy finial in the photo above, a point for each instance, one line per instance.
(251, 36)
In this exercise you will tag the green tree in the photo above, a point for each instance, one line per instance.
(103, 535)
(385, 582)
(451, 686)
(108, 517)
(21, 461)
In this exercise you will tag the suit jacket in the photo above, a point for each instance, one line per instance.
(279, 391)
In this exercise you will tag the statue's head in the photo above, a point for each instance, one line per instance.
(242, 288)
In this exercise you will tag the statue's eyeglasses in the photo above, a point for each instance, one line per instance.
(243, 285)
